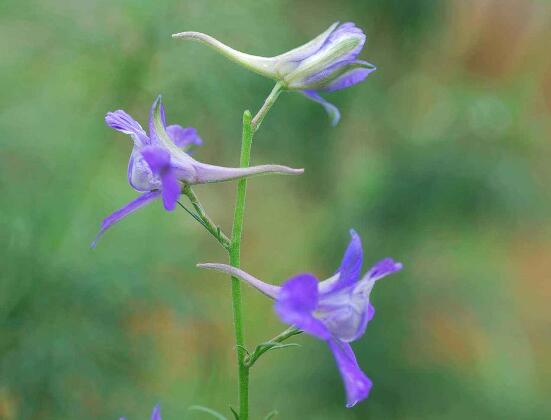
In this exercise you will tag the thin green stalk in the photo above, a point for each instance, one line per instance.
(270, 100)
(250, 125)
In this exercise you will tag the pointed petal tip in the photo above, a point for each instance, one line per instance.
(156, 413)
(102, 230)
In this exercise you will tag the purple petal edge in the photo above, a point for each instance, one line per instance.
(121, 213)
(383, 268)
(152, 132)
(356, 383)
(156, 413)
(183, 137)
(350, 78)
(158, 160)
(296, 302)
(351, 265)
(121, 121)
(171, 190)
(332, 110)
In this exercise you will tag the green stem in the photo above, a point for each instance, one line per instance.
(250, 126)
(270, 100)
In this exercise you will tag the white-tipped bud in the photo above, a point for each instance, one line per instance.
(328, 62)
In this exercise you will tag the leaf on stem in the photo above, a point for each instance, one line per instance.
(207, 410)
(244, 349)
(235, 415)
(265, 347)
(271, 415)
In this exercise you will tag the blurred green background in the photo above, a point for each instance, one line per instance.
(441, 161)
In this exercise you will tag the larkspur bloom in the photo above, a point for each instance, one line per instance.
(336, 310)
(155, 414)
(327, 63)
(159, 165)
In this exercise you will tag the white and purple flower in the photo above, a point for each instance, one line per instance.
(159, 164)
(327, 63)
(336, 310)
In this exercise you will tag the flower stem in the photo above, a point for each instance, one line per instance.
(270, 100)
(250, 125)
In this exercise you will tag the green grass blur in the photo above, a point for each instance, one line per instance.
(441, 160)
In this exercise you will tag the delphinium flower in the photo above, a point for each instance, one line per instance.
(327, 63)
(336, 310)
(159, 166)
(155, 414)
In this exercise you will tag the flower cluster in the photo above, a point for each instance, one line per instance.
(335, 310)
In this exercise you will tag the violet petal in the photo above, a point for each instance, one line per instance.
(383, 268)
(156, 413)
(123, 122)
(351, 264)
(347, 29)
(350, 78)
(152, 132)
(158, 160)
(357, 385)
(183, 137)
(121, 213)
(296, 302)
(332, 110)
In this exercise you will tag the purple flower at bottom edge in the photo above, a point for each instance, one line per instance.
(336, 310)
(155, 414)
(159, 164)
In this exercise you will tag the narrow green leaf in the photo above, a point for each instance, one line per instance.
(281, 346)
(207, 410)
(271, 415)
(193, 215)
(234, 413)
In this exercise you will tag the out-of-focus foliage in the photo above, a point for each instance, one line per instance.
(441, 161)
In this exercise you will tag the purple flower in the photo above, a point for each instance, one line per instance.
(327, 63)
(159, 163)
(155, 414)
(336, 310)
